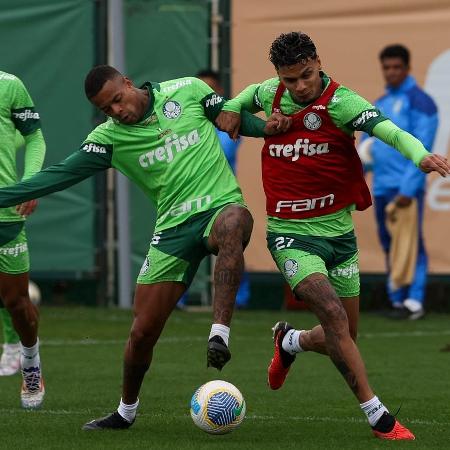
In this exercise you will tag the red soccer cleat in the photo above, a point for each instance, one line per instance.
(398, 433)
(282, 360)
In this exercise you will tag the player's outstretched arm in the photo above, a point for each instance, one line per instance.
(411, 148)
(247, 124)
(77, 167)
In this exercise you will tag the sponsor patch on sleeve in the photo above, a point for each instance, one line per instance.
(366, 120)
(93, 147)
(212, 105)
(26, 120)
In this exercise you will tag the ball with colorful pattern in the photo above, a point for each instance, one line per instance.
(217, 407)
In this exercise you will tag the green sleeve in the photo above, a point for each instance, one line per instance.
(251, 125)
(75, 168)
(19, 141)
(211, 101)
(247, 99)
(213, 104)
(351, 112)
(409, 146)
(34, 153)
(23, 113)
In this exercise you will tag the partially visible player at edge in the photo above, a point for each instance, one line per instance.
(162, 137)
(313, 180)
(19, 122)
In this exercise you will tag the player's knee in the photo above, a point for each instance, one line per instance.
(17, 305)
(143, 336)
(335, 318)
(239, 224)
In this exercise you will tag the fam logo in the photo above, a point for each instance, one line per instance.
(290, 267)
(172, 109)
(306, 204)
(190, 205)
(312, 121)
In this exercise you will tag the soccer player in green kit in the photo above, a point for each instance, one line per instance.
(18, 122)
(162, 137)
(313, 180)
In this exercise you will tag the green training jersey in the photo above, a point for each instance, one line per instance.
(349, 112)
(16, 113)
(173, 154)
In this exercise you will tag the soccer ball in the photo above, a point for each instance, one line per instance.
(217, 407)
(34, 293)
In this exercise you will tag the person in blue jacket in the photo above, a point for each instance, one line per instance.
(394, 177)
(230, 148)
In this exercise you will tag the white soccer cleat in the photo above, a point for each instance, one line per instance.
(33, 390)
(10, 360)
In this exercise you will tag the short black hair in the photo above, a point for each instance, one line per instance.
(209, 73)
(291, 48)
(97, 77)
(395, 51)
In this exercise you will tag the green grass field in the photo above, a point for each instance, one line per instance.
(82, 359)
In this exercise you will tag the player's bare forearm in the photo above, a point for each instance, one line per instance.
(229, 122)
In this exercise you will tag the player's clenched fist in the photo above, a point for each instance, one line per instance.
(277, 123)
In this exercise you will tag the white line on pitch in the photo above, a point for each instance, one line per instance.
(175, 339)
(256, 418)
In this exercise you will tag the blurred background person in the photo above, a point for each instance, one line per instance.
(19, 122)
(230, 148)
(397, 182)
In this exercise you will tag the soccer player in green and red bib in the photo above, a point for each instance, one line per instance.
(19, 121)
(162, 137)
(313, 180)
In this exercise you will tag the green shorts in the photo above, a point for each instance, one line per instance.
(298, 256)
(14, 256)
(175, 253)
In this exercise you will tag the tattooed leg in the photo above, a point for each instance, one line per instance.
(229, 236)
(314, 339)
(323, 301)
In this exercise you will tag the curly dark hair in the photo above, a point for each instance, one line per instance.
(292, 48)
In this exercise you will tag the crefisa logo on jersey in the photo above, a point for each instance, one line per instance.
(312, 121)
(172, 109)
